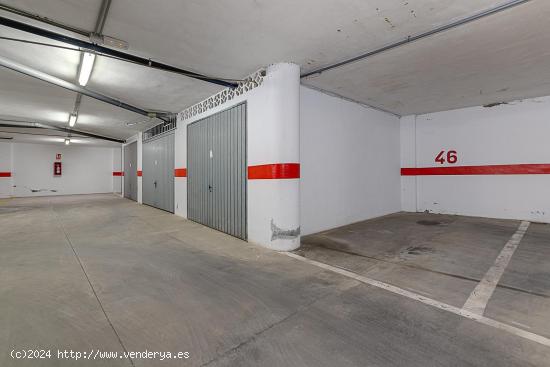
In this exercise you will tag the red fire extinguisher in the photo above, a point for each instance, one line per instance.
(57, 168)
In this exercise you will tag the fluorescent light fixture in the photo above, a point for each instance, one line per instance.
(86, 67)
(72, 119)
(67, 141)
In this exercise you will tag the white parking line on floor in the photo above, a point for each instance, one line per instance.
(480, 296)
(428, 301)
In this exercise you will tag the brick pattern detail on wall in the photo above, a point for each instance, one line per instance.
(253, 81)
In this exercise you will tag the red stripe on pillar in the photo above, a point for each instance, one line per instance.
(118, 174)
(5, 174)
(180, 172)
(140, 173)
(279, 171)
(504, 169)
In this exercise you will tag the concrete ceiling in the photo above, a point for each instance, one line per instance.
(498, 58)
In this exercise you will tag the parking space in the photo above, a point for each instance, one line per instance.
(444, 258)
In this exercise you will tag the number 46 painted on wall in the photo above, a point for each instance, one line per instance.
(452, 157)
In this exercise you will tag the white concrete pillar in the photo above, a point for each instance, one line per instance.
(117, 168)
(408, 160)
(140, 168)
(180, 173)
(6, 170)
(273, 159)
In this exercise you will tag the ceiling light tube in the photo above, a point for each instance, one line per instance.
(72, 119)
(86, 67)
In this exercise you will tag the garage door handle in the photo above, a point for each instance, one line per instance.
(210, 188)
(155, 183)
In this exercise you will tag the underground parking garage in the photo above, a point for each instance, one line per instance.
(344, 183)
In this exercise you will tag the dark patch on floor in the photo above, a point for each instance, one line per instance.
(428, 222)
(14, 209)
(495, 104)
(418, 250)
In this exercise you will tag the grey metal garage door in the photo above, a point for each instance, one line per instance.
(130, 171)
(158, 172)
(216, 171)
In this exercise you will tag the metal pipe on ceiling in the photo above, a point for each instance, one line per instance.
(40, 134)
(52, 45)
(77, 102)
(38, 125)
(15, 66)
(104, 50)
(103, 11)
(100, 23)
(409, 39)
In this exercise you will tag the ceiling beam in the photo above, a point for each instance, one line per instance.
(20, 68)
(115, 53)
(38, 125)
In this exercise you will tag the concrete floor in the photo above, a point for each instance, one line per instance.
(95, 272)
(444, 257)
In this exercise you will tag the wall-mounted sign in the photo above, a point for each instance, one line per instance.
(57, 168)
(58, 156)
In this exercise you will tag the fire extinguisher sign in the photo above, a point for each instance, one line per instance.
(58, 156)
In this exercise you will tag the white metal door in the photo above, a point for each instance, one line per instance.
(217, 171)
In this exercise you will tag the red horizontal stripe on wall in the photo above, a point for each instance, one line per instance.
(140, 173)
(274, 171)
(180, 172)
(118, 173)
(504, 169)
(5, 174)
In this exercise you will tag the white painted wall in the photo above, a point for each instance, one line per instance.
(180, 161)
(408, 159)
(5, 166)
(350, 162)
(139, 139)
(117, 167)
(514, 133)
(86, 170)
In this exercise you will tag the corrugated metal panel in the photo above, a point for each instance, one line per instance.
(148, 176)
(197, 172)
(158, 172)
(130, 171)
(216, 171)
